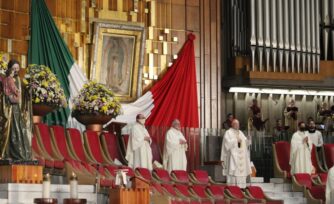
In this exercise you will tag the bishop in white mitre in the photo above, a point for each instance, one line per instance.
(174, 156)
(330, 186)
(235, 156)
(139, 152)
(300, 153)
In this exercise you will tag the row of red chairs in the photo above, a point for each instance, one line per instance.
(65, 151)
(198, 187)
(313, 186)
(281, 155)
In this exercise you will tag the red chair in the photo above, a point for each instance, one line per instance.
(321, 179)
(111, 147)
(93, 147)
(235, 192)
(76, 146)
(156, 188)
(217, 192)
(301, 181)
(256, 192)
(44, 160)
(144, 173)
(180, 176)
(47, 148)
(201, 177)
(124, 139)
(200, 192)
(169, 189)
(281, 154)
(316, 194)
(161, 175)
(182, 190)
(58, 137)
(315, 161)
(328, 155)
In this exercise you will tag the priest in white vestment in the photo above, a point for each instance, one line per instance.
(330, 186)
(314, 134)
(139, 153)
(300, 153)
(174, 156)
(235, 156)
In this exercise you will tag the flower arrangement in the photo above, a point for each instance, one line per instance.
(44, 85)
(3, 64)
(95, 98)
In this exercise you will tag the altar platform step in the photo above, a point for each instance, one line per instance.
(13, 193)
(3, 201)
(278, 189)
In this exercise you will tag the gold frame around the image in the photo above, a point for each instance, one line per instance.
(120, 30)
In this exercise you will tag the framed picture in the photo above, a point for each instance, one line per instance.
(118, 55)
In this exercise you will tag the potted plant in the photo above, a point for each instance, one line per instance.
(46, 91)
(95, 105)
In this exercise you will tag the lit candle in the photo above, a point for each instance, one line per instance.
(74, 186)
(46, 186)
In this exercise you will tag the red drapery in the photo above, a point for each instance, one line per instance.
(175, 95)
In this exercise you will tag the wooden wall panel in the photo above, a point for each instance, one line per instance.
(178, 17)
(22, 6)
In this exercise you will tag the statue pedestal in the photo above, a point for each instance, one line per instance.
(20, 172)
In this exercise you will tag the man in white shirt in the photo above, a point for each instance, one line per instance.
(139, 153)
(174, 156)
(235, 156)
(300, 153)
(314, 135)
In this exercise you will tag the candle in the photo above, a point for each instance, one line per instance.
(46, 186)
(74, 186)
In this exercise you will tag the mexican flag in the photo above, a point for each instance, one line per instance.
(47, 47)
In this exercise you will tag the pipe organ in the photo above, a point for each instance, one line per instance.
(327, 29)
(280, 35)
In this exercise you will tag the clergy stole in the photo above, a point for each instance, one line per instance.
(139, 153)
(174, 157)
(300, 154)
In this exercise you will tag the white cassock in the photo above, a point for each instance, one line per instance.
(300, 154)
(330, 186)
(138, 152)
(236, 162)
(316, 138)
(174, 157)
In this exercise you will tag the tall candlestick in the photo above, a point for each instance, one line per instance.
(74, 186)
(46, 186)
